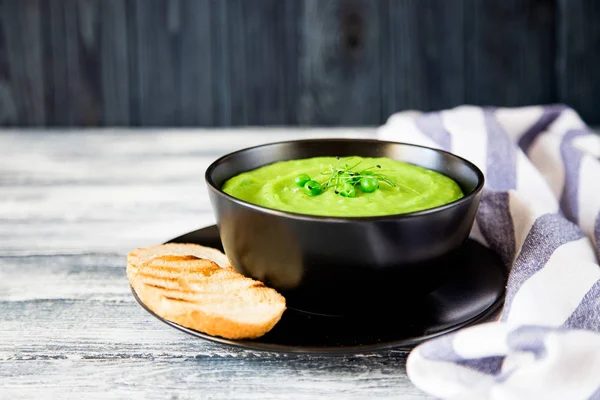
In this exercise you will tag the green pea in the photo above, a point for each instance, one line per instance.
(369, 184)
(313, 188)
(301, 179)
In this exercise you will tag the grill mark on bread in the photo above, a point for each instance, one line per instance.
(177, 279)
(170, 292)
(203, 267)
(174, 278)
(169, 268)
(175, 285)
(175, 274)
(158, 277)
(157, 286)
(180, 300)
(213, 281)
(175, 257)
(212, 292)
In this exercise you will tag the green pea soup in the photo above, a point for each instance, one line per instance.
(412, 188)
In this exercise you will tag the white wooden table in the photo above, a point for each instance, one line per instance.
(72, 204)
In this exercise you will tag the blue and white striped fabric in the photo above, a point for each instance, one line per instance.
(540, 212)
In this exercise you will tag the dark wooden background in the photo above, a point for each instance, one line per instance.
(289, 62)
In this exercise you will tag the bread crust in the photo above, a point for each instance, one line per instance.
(199, 294)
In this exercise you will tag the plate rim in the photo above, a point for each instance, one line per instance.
(253, 345)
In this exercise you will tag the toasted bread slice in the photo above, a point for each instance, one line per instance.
(144, 254)
(198, 294)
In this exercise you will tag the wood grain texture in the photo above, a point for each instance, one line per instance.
(340, 63)
(112, 50)
(579, 57)
(158, 25)
(288, 62)
(8, 106)
(268, 28)
(510, 52)
(87, 332)
(22, 74)
(72, 59)
(72, 204)
(78, 193)
(255, 53)
(423, 65)
(196, 70)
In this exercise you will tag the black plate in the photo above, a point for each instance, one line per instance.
(472, 295)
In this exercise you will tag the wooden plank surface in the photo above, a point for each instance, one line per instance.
(422, 53)
(22, 73)
(196, 70)
(112, 58)
(71, 205)
(76, 330)
(8, 104)
(72, 60)
(578, 57)
(340, 63)
(258, 74)
(288, 62)
(157, 51)
(509, 52)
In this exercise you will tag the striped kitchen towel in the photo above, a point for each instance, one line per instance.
(540, 211)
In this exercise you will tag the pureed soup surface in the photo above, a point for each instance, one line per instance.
(273, 186)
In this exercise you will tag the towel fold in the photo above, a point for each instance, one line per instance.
(540, 211)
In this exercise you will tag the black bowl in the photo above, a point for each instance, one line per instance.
(332, 265)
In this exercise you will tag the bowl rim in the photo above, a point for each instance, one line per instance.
(325, 218)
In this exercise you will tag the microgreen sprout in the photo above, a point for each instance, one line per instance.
(345, 179)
